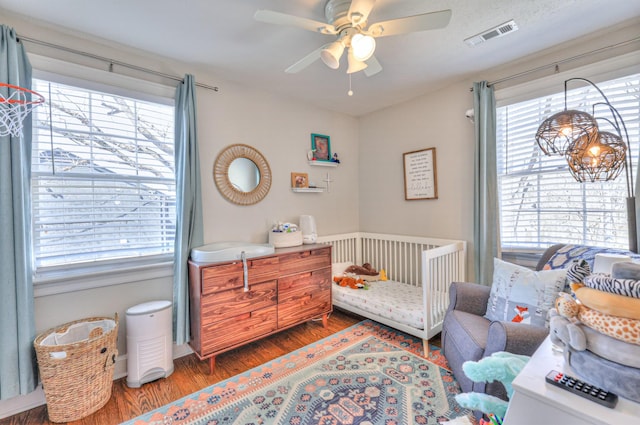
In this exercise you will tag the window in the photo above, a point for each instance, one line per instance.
(540, 202)
(103, 179)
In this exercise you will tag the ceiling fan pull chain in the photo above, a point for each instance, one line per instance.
(350, 92)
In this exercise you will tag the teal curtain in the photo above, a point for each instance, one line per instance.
(633, 209)
(485, 206)
(17, 329)
(188, 203)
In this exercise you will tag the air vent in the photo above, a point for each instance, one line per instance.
(499, 31)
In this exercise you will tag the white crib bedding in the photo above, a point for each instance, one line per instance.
(393, 300)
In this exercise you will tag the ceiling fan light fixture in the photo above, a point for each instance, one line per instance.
(363, 46)
(349, 21)
(331, 54)
(355, 65)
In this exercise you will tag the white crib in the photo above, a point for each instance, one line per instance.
(427, 263)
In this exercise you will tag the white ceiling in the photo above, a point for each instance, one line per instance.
(222, 35)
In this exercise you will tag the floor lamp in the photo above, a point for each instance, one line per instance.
(592, 155)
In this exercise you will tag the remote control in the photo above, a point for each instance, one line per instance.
(584, 389)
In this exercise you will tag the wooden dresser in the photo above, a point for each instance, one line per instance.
(286, 288)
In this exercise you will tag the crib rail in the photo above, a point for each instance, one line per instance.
(440, 267)
(344, 247)
(429, 263)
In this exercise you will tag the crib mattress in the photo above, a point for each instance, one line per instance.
(393, 300)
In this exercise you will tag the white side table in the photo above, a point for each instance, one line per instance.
(536, 402)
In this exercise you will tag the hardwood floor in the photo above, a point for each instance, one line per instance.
(191, 375)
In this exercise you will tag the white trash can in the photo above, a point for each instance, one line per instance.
(149, 342)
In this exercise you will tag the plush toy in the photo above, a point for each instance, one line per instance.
(483, 402)
(564, 332)
(351, 282)
(578, 271)
(365, 272)
(599, 329)
(612, 347)
(624, 329)
(502, 367)
(614, 285)
(366, 269)
(493, 420)
(607, 302)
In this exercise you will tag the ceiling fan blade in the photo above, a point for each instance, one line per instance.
(373, 66)
(425, 21)
(359, 10)
(271, 17)
(305, 61)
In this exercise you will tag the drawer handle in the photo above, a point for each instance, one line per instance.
(245, 270)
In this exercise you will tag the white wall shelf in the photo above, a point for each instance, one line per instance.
(323, 163)
(308, 189)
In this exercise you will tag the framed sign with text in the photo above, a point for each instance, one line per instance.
(420, 180)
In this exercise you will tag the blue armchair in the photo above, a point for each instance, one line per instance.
(468, 336)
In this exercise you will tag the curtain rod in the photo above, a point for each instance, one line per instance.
(111, 62)
(562, 61)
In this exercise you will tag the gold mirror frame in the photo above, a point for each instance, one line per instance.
(221, 174)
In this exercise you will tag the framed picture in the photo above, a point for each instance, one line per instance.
(321, 147)
(420, 179)
(299, 180)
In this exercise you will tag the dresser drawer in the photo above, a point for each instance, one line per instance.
(238, 329)
(305, 260)
(304, 307)
(303, 284)
(303, 296)
(229, 276)
(225, 304)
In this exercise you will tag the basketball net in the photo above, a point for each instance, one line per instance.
(15, 107)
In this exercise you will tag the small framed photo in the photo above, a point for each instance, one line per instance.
(321, 147)
(299, 180)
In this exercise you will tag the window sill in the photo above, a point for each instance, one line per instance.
(524, 257)
(83, 279)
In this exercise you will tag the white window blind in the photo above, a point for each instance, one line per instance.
(103, 179)
(540, 202)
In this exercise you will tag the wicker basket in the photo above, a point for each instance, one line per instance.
(284, 239)
(77, 377)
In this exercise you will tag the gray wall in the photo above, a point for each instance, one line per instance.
(368, 189)
(279, 128)
(438, 120)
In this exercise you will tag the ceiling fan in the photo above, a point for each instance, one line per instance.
(347, 19)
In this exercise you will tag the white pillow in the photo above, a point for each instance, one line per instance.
(519, 294)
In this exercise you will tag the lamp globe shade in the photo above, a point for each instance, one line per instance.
(331, 54)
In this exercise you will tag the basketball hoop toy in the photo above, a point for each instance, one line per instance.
(15, 107)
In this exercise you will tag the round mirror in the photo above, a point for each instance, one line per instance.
(242, 174)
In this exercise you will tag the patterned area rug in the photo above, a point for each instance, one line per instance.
(368, 374)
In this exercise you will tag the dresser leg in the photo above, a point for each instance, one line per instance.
(212, 364)
(325, 320)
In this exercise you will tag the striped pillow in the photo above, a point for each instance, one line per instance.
(606, 283)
